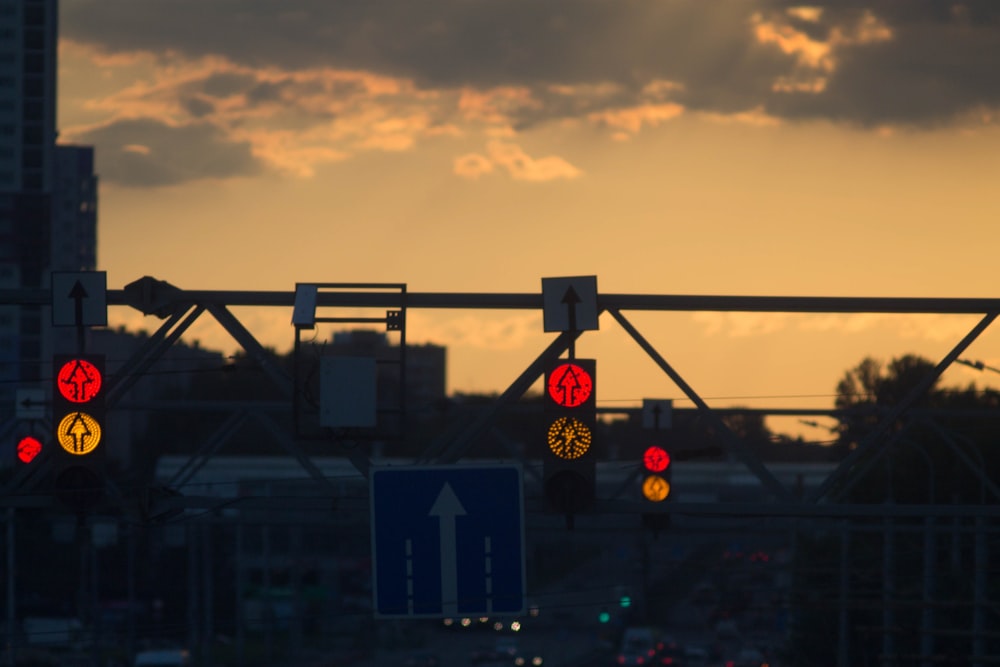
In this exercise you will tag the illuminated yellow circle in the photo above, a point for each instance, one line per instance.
(569, 438)
(655, 488)
(78, 433)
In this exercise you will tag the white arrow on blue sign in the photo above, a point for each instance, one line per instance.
(447, 540)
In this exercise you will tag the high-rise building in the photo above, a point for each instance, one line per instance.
(47, 193)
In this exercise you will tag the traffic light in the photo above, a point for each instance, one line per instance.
(78, 413)
(28, 450)
(655, 486)
(569, 463)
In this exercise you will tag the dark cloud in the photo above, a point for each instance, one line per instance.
(197, 107)
(941, 63)
(146, 153)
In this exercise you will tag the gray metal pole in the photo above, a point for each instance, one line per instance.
(888, 591)
(268, 606)
(843, 626)
(208, 631)
(298, 606)
(930, 583)
(11, 599)
(240, 615)
(981, 563)
(192, 601)
(131, 546)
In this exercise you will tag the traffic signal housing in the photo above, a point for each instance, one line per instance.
(78, 420)
(569, 460)
(655, 487)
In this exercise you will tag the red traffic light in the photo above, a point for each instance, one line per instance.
(79, 381)
(28, 448)
(569, 385)
(655, 459)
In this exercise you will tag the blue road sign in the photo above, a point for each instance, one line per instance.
(447, 540)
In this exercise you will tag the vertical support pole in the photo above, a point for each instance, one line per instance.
(192, 601)
(268, 606)
(82, 537)
(130, 545)
(844, 620)
(981, 565)
(95, 598)
(207, 594)
(11, 597)
(888, 592)
(240, 582)
(298, 608)
(927, 617)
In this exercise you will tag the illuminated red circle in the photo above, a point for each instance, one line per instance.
(28, 448)
(570, 385)
(79, 380)
(655, 459)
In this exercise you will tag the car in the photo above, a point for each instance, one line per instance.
(638, 647)
(669, 654)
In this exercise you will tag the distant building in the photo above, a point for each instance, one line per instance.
(48, 193)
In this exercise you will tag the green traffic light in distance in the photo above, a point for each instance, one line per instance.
(603, 617)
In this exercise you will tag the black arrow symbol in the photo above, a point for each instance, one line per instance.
(571, 298)
(78, 294)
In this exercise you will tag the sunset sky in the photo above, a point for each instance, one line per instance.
(731, 147)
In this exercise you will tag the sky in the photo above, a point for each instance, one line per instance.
(732, 147)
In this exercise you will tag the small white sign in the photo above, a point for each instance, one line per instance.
(569, 304)
(79, 298)
(29, 404)
(657, 413)
(347, 392)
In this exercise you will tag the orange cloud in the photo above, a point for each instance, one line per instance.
(815, 59)
(632, 119)
(518, 164)
(472, 166)
(523, 167)
(495, 106)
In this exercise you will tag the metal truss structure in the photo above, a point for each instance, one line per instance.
(179, 309)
